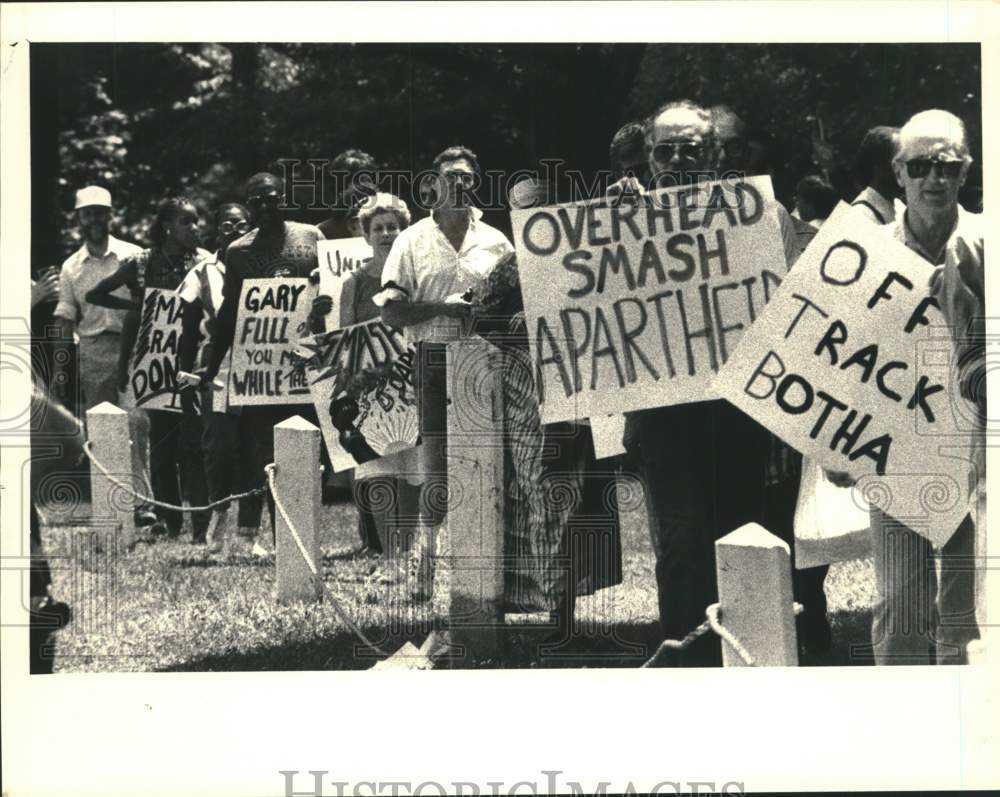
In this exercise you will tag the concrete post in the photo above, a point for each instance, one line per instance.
(754, 573)
(298, 484)
(110, 443)
(476, 496)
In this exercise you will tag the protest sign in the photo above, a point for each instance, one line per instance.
(152, 378)
(638, 306)
(271, 318)
(338, 259)
(851, 364)
(361, 380)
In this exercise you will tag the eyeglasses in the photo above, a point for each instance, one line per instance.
(665, 151)
(264, 199)
(465, 179)
(241, 227)
(921, 167)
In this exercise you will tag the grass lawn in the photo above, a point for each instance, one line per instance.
(166, 606)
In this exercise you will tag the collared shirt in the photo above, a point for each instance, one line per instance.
(153, 268)
(81, 272)
(423, 266)
(204, 283)
(876, 206)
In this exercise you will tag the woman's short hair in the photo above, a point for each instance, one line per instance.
(166, 212)
(383, 203)
(223, 209)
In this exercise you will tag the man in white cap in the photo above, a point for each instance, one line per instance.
(98, 328)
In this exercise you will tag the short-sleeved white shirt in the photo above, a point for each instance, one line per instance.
(80, 272)
(423, 266)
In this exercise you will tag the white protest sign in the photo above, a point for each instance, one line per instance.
(851, 364)
(638, 306)
(271, 318)
(338, 259)
(152, 378)
(361, 380)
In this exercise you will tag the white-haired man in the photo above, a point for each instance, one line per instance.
(915, 616)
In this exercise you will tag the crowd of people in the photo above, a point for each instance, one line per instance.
(706, 467)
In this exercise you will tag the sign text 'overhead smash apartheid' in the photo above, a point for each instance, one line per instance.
(271, 318)
(638, 306)
(850, 363)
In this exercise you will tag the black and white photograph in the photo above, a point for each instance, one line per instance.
(348, 360)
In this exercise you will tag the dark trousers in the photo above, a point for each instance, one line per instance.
(177, 468)
(227, 441)
(703, 467)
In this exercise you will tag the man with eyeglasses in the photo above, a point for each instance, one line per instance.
(435, 269)
(705, 464)
(917, 620)
(273, 248)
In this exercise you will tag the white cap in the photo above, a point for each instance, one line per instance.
(92, 195)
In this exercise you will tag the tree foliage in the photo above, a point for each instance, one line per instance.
(154, 120)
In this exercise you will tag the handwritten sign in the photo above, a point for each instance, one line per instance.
(639, 306)
(272, 316)
(152, 379)
(361, 380)
(338, 259)
(851, 364)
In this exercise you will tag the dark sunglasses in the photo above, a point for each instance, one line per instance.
(237, 226)
(684, 150)
(921, 167)
(264, 199)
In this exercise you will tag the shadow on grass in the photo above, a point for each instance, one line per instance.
(628, 646)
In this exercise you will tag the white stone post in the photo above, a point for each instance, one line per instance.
(110, 443)
(298, 484)
(754, 574)
(476, 496)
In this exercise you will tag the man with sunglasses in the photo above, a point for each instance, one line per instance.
(433, 269)
(705, 464)
(273, 248)
(917, 620)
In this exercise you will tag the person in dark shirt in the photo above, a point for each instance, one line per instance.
(274, 248)
(176, 467)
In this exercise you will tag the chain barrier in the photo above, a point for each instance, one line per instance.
(712, 623)
(147, 499)
(270, 470)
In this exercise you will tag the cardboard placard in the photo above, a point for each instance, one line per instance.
(361, 381)
(338, 259)
(272, 317)
(638, 306)
(152, 378)
(851, 363)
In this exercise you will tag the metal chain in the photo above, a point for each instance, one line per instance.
(146, 499)
(713, 623)
(270, 470)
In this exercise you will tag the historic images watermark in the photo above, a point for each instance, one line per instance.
(297, 784)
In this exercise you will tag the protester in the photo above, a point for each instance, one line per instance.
(354, 174)
(918, 619)
(815, 199)
(873, 173)
(225, 434)
(98, 328)
(543, 528)
(704, 465)
(382, 217)
(627, 154)
(174, 438)
(273, 248)
(433, 269)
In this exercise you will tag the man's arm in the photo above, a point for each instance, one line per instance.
(225, 321)
(101, 294)
(398, 313)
